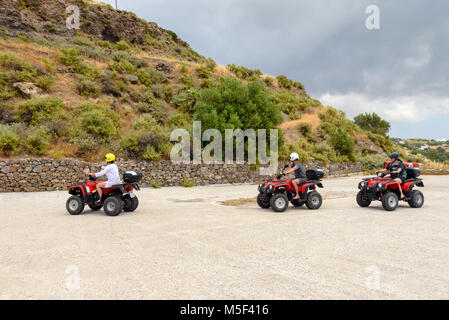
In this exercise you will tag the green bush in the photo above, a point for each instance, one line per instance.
(123, 45)
(88, 88)
(372, 122)
(144, 122)
(72, 57)
(172, 34)
(210, 65)
(150, 76)
(244, 73)
(98, 121)
(284, 82)
(269, 81)
(298, 85)
(104, 44)
(9, 139)
(37, 142)
(36, 110)
(151, 154)
(187, 183)
(45, 83)
(24, 71)
(188, 81)
(342, 143)
(203, 72)
(306, 130)
(184, 69)
(231, 104)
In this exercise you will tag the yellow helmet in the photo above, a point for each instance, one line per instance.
(109, 157)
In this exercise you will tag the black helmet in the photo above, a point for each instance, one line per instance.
(394, 155)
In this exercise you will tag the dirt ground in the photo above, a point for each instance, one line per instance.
(188, 244)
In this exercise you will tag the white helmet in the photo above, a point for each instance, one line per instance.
(294, 156)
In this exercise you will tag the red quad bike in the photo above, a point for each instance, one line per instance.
(278, 192)
(386, 190)
(114, 200)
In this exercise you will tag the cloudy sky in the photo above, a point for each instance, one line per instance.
(400, 71)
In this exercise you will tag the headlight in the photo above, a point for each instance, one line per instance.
(362, 184)
(380, 185)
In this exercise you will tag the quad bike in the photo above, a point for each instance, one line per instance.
(278, 192)
(114, 200)
(386, 190)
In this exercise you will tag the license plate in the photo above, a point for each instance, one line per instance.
(131, 194)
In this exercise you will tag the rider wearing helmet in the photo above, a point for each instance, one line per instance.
(397, 170)
(300, 174)
(111, 171)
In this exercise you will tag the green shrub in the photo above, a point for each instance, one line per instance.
(150, 76)
(37, 110)
(155, 185)
(88, 88)
(25, 72)
(210, 65)
(269, 81)
(50, 65)
(9, 139)
(188, 81)
(172, 34)
(45, 83)
(104, 44)
(123, 45)
(284, 82)
(244, 73)
(98, 121)
(342, 143)
(151, 154)
(185, 101)
(298, 85)
(187, 183)
(232, 104)
(206, 83)
(184, 69)
(203, 72)
(71, 57)
(50, 27)
(372, 122)
(144, 122)
(306, 130)
(37, 142)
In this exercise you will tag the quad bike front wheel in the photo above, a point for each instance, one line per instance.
(263, 201)
(131, 204)
(75, 205)
(113, 206)
(416, 199)
(361, 201)
(314, 200)
(390, 201)
(279, 202)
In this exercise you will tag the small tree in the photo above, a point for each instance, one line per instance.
(372, 122)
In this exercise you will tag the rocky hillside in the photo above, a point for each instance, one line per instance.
(122, 84)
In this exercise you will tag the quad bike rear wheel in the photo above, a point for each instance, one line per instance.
(361, 201)
(314, 200)
(297, 203)
(75, 205)
(131, 204)
(113, 206)
(390, 201)
(263, 201)
(416, 199)
(279, 202)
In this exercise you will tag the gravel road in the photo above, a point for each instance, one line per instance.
(188, 244)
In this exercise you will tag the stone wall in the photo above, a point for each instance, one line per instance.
(38, 174)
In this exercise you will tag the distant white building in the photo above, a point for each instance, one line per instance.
(401, 142)
(424, 147)
(441, 140)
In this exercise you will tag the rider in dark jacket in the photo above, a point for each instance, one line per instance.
(397, 169)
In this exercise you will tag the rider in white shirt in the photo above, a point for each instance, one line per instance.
(111, 171)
